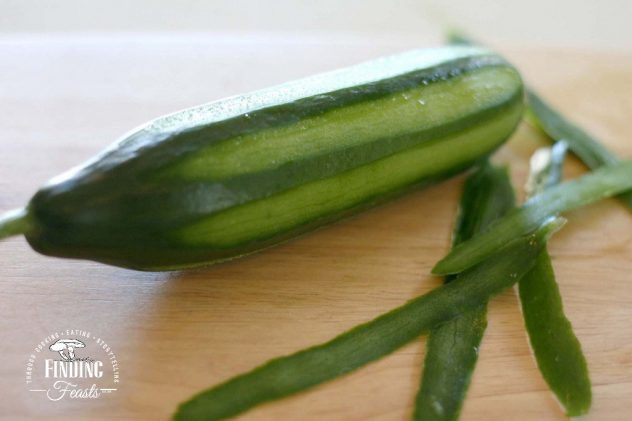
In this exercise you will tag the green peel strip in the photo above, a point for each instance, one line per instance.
(586, 147)
(365, 343)
(556, 349)
(452, 348)
(601, 183)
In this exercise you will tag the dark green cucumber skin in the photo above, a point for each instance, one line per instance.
(116, 210)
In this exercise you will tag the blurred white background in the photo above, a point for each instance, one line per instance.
(577, 24)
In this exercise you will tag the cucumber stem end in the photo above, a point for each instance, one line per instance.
(15, 222)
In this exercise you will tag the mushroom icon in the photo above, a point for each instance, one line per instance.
(67, 345)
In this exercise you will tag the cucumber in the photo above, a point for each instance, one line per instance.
(240, 174)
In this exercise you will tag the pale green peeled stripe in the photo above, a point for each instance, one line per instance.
(599, 184)
(294, 207)
(396, 115)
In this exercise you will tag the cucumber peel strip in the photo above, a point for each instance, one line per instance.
(557, 350)
(452, 348)
(368, 342)
(603, 182)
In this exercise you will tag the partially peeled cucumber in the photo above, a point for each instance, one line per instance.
(240, 174)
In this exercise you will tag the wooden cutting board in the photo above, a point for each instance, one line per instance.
(62, 99)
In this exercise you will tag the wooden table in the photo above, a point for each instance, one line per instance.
(62, 99)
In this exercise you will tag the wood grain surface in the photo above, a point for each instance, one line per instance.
(63, 99)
